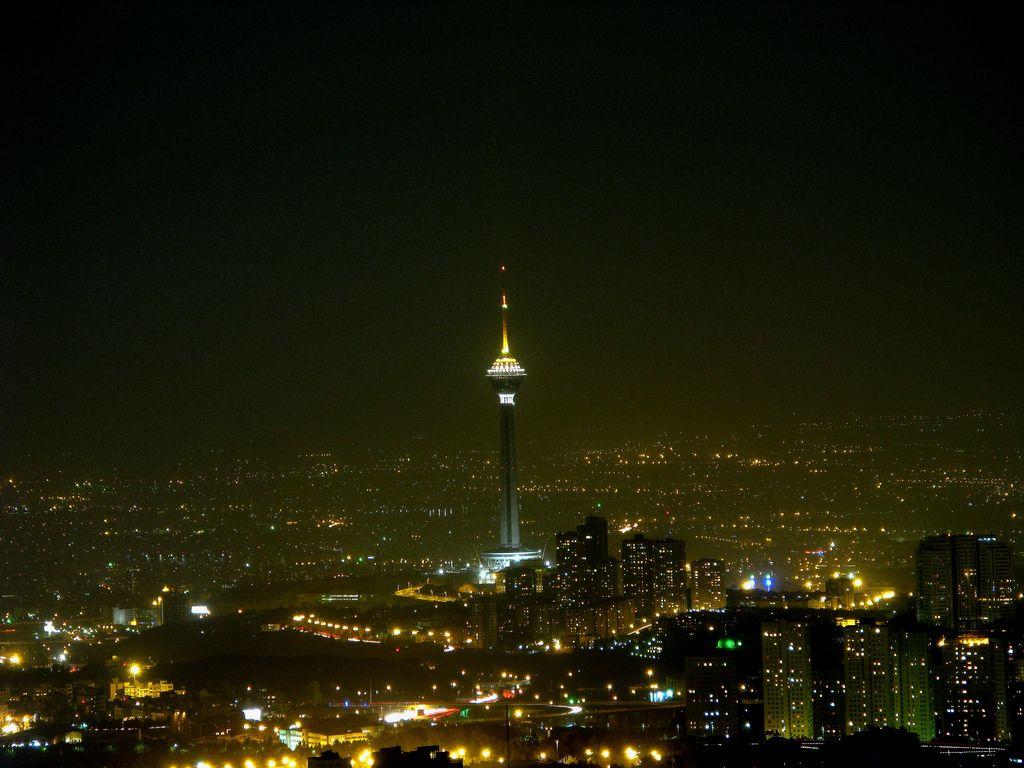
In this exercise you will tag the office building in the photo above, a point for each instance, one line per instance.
(519, 582)
(123, 616)
(870, 677)
(581, 624)
(841, 591)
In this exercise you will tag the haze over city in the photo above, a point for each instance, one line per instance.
(282, 226)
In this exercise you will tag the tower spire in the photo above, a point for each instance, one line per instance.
(504, 315)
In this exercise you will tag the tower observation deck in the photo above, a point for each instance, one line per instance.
(506, 375)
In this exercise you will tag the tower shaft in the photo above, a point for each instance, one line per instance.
(509, 494)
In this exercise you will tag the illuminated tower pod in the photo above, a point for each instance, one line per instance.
(506, 375)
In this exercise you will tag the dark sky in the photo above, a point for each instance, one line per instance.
(227, 224)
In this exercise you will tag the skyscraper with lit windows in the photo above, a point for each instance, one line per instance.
(654, 572)
(707, 585)
(788, 693)
(887, 680)
(584, 573)
(973, 689)
(963, 581)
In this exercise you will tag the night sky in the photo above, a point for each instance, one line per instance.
(235, 225)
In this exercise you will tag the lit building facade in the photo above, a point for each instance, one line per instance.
(584, 573)
(582, 624)
(916, 697)
(973, 689)
(870, 675)
(787, 682)
(963, 582)
(521, 581)
(829, 699)
(712, 697)
(654, 574)
(887, 680)
(707, 580)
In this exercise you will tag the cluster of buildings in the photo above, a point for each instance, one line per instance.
(951, 670)
(171, 606)
(948, 671)
(589, 594)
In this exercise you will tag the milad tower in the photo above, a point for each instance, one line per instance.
(505, 375)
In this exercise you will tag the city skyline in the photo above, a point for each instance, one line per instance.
(272, 267)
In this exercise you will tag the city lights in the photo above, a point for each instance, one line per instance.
(766, 498)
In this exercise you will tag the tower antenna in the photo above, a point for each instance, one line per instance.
(504, 313)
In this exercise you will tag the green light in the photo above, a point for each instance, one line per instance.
(727, 644)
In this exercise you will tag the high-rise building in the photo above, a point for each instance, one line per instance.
(712, 697)
(963, 582)
(584, 573)
(1015, 689)
(973, 689)
(870, 675)
(916, 700)
(788, 691)
(173, 606)
(996, 584)
(887, 680)
(520, 581)
(829, 696)
(707, 585)
(592, 534)
(654, 573)
(506, 375)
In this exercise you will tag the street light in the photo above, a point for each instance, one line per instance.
(134, 670)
